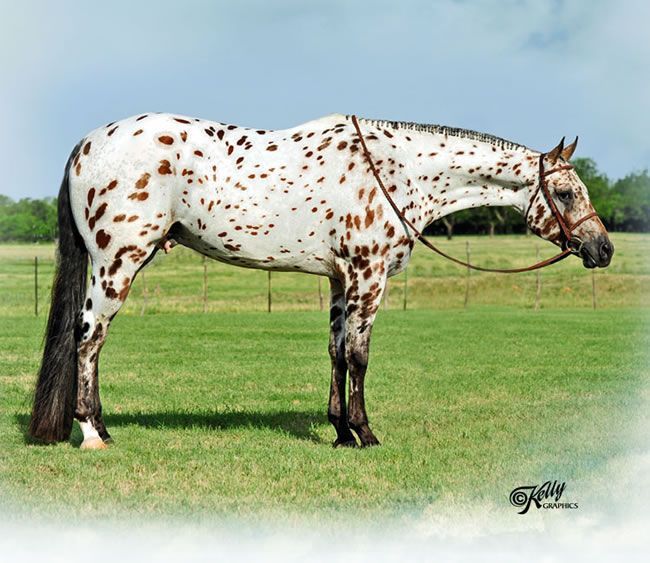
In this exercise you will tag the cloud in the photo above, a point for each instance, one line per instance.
(527, 70)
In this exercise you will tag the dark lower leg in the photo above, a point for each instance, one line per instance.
(357, 416)
(362, 300)
(337, 412)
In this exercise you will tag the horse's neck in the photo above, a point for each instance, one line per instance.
(447, 173)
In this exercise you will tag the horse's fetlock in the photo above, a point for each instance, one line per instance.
(334, 418)
(82, 413)
(357, 422)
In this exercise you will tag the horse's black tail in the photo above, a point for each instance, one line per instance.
(54, 399)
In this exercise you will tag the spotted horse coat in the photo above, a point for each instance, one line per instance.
(300, 199)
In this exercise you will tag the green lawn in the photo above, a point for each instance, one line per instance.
(225, 413)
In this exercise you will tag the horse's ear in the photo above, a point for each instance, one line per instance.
(554, 154)
(567, 153)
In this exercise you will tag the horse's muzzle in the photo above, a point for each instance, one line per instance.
(597, 252)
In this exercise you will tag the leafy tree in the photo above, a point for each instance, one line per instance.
(603, 198)
(27, 220)
(633, 196)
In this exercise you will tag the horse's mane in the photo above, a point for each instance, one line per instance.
(444, 130)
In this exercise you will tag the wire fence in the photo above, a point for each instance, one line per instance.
(188, 282)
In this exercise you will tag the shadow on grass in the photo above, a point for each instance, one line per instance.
(299, 424)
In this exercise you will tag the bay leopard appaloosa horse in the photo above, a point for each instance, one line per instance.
(302, 199)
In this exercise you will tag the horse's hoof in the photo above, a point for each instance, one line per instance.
(370, 442)
(344, 444)
(366, 437)
(93, 444)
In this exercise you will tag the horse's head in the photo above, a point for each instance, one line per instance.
(559, 209)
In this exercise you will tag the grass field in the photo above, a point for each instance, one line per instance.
(175, 282)
(224, 413)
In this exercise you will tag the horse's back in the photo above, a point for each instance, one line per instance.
(254, 197)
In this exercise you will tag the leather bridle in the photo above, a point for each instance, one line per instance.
(570, 241)
(571, 244)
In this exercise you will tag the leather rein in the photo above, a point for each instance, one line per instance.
(571, 244)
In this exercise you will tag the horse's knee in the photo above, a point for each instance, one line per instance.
(336, 349)
(357, 357)
(337, 355)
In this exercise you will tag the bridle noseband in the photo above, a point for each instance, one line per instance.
(571, 244)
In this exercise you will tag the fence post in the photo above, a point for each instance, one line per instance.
(593, 288)
(538, 280)
(144, 294)
(205, 284)
(467, 276)
(406, 288)
(320, 293)
(36, 286)
(269, 292)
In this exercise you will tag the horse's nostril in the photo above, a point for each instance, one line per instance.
(606, 250)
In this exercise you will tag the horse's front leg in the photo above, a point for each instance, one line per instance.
(362, 301)
(337, 412)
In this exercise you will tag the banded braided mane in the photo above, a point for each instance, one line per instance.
(445, 130)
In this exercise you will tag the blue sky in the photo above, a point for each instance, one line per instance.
(530, 71)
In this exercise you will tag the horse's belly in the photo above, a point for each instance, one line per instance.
(264, 245)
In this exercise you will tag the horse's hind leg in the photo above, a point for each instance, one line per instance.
(88, 410)
(337, 412)
(110, 284)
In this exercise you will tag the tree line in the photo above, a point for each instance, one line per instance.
(28, 220)
(623, 205)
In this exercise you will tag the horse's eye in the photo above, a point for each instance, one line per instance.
(565, 197)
